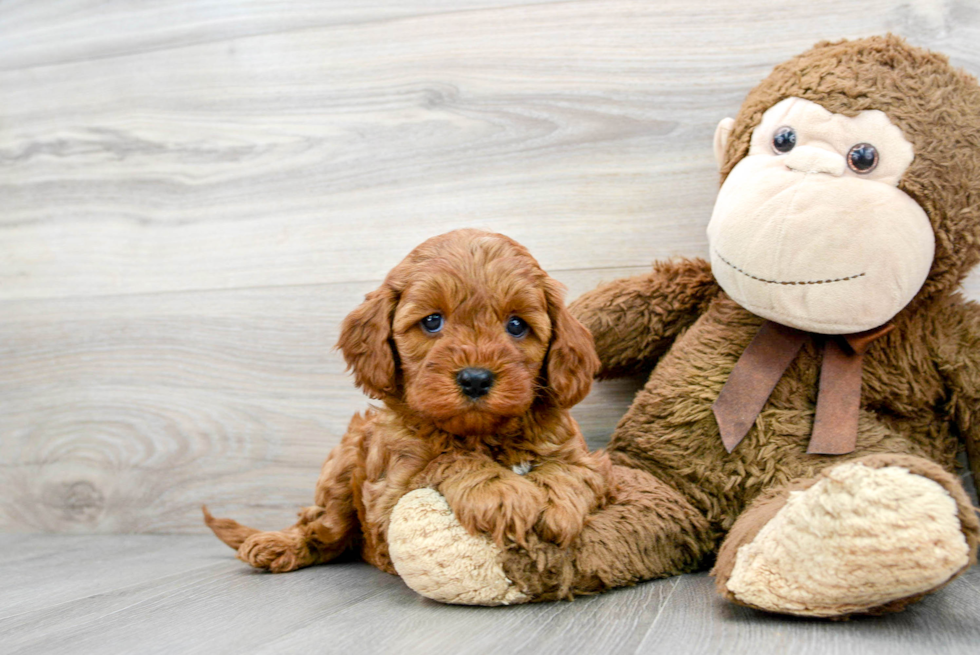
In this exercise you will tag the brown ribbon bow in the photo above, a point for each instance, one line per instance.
(763, 363)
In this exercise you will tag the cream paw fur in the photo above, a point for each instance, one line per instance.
(439, 559)
(857, 539)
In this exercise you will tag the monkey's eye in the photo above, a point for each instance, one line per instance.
(862, 158)
(432, 323)
(516, 327)
(784, 140)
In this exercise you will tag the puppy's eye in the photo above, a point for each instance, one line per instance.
(784, 140)
(516, 327)
(862, 158)
(432, 323)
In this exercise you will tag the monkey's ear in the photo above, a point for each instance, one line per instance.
(365, 341)
(721, 139)
(572, 360)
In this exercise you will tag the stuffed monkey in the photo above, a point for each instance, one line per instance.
(812, 385)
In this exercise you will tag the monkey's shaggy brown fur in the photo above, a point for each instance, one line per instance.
(920, 398)
(430, 434)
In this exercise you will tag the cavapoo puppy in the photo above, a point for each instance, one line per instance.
(476, 359)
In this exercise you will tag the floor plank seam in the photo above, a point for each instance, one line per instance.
(179, 574)
(340, 610)
(288, 31)
(641, 267)
(660, 611)
(190, 583)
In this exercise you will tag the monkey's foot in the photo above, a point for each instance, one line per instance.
(439, 559)
(859, 539)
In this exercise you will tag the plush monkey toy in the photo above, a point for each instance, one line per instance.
(811, 387)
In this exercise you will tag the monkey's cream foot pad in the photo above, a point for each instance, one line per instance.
(856, 540)
(439, 559)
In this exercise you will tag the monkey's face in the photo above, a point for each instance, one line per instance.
(811, 230)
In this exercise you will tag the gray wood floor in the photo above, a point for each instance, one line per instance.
(187, 594)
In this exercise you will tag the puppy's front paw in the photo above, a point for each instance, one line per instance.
(276, 551)
(506, 508)
(560, 523)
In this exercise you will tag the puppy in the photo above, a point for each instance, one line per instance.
(476, 359)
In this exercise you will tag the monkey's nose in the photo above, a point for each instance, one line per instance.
(810, 159)
(475, 382)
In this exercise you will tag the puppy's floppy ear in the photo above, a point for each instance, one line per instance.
(365, 341)
(572, 361)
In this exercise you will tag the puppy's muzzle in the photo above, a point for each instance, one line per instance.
(475, 382)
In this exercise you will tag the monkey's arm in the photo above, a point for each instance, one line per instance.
(959, 357)
(634, 320)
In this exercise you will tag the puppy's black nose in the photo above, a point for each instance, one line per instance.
(475, 382)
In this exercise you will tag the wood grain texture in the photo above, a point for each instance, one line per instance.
(125, 413)
(697, 617)
(194, 193)
(186, 594)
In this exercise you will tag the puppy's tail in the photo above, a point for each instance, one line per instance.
(229, 531)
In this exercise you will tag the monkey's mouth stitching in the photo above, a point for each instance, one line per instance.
(839, 279)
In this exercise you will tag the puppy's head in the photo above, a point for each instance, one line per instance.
(469, 332)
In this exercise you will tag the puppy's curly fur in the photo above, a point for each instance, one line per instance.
(431, 434)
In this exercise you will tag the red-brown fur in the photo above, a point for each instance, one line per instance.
(430, 434)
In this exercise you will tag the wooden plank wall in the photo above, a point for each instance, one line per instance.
(194, 192)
